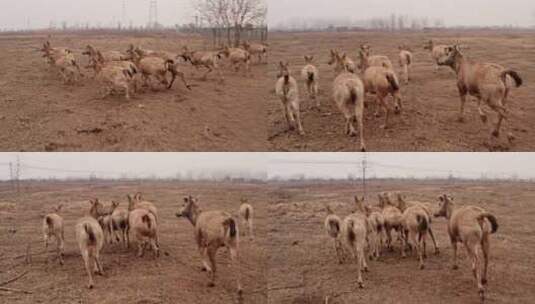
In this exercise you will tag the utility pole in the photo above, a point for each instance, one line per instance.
(364, 167)
(11, 176)
(123, 17)
(17, 174)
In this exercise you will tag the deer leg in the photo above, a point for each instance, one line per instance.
(454, 247)
(211, 273)
(462, 92)
(482, 113)
(486, 247)
(381, 101)
(296, 112)
(437, 251)
(235, 258)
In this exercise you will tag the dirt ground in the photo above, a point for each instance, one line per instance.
(40, 113)
(431, 100)
(175, 277)
(304, 268)
(290, 261)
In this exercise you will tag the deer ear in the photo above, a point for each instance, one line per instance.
(441, 198)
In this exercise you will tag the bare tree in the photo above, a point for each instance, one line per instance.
(236, 14)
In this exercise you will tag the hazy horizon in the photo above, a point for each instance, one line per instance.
(269, 165)
(35, 14)
(453, 12)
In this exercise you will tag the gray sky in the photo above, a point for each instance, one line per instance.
(61, 165)
(453, 12)
(467, 165)
(336, 165)
(41, 12)
(38, 13)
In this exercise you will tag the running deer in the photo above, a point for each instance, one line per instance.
(212, 230)
(471, 226)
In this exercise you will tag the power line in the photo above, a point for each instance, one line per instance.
(50, 169)
(383, 165)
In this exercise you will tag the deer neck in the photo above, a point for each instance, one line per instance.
(449, 211)
(193, 216)
(459, 61)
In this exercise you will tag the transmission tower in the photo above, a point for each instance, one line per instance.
(153, 13)
(123, 17)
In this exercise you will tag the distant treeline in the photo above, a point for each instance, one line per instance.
(388, 23)
(268, 180)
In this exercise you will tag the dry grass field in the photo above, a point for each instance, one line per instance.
(304, 268)
(431, 100)
(175, 277)
(39, 112)
(290, 261)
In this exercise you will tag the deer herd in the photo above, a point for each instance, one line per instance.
(136, 68)
(368, 231)
(105, 225)
(375, 74)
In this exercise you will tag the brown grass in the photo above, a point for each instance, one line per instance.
(429, 120)
(175, 277)
(304, 268)
(39, 113)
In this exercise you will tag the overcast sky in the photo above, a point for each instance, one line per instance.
(21, 14)
(61, 165)
(467, 165)
(16, 14)
(325, 165)
(453, 12)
